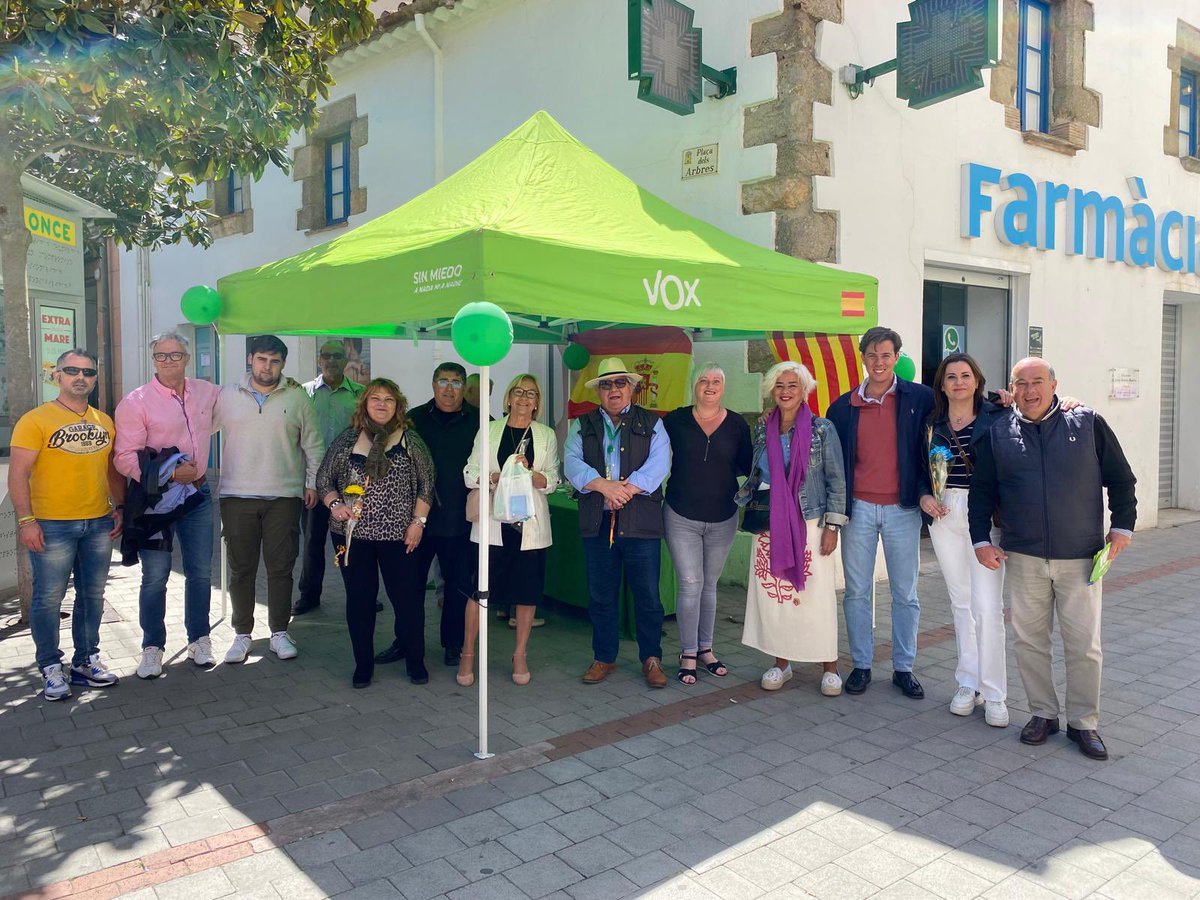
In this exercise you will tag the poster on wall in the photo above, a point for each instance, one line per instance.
(56, 335)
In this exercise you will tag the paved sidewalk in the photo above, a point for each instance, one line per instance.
(276, 779)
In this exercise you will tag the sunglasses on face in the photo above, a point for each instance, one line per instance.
(618, 383)
(77, 370)
(519, 393)
(449, 383)
(173, 356)
(333, 356)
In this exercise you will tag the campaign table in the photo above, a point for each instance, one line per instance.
(566, 569)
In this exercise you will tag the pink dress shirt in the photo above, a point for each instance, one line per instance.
(154, 416)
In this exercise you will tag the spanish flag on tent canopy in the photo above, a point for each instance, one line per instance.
(833, 359)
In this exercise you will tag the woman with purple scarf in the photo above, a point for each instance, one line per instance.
(795, 513)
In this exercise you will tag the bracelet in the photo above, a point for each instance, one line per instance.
(334, 502)
(21, 525)
(25, 520)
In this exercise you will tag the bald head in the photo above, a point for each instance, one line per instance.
(1033, 387)
(332, 360)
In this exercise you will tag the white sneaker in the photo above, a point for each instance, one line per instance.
(56, 683)
(995, 713)
(239, 649)
(831, 684)
(964, 702)
(775, 678)
(151, 664)
(283, 646)
(200, 652)
(94, 673)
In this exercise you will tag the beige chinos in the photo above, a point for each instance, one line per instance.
(1042, 588)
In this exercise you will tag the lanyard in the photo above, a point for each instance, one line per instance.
(611, 438)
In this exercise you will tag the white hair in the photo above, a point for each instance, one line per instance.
(705, 370)
(807, 383)
(171, 336)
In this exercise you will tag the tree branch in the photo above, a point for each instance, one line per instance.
(72, 142)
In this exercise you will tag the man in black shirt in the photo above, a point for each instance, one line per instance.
(448, 426)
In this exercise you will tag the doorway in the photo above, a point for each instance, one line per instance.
(1168, 429)
(968, 312)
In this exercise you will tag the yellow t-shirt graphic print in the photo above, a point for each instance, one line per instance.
(70, 476)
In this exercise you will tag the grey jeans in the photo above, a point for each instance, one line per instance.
(698, 551)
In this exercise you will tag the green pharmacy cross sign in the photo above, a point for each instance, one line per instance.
(939, 52)
(665, 57)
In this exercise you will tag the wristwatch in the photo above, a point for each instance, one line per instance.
(833, 526)
(421, 520)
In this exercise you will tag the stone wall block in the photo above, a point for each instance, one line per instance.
(780, 192)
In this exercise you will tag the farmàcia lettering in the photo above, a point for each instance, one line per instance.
(1093, 225)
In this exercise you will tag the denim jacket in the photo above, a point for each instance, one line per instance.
(824, 493)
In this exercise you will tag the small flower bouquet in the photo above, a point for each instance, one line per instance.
(939, 470)
(354, 499)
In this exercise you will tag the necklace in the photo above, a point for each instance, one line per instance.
(696, 413)
(957, 422)
(68, 409)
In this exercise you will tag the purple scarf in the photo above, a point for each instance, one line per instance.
(789, 532)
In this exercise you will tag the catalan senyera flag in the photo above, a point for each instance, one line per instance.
(662, 355)
(834, 360)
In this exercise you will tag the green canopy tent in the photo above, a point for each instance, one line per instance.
(559, 239)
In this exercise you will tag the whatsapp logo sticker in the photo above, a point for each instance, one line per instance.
(951, 339)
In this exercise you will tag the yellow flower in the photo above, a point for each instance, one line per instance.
(354, 490)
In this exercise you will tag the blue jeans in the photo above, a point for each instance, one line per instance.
(640, 559)
(699, 551)
(82, 547)
(900, 530)
(194, 536)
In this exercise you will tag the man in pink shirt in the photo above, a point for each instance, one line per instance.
(172, 410)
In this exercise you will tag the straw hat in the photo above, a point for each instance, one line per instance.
(613, 367)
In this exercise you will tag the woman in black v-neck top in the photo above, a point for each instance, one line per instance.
(710, 447)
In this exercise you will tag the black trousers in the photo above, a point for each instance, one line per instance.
(456, 557)
(312, 569)
(369, 560)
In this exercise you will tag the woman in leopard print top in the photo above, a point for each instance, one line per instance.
(393, 468)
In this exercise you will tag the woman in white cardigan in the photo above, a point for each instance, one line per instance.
(517, 565)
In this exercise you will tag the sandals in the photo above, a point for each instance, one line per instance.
(684, 674)
(521, 678)
(716, 667)
(469, 678)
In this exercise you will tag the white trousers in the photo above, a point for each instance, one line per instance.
(976, 600)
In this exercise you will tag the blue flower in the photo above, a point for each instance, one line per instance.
(942, 453)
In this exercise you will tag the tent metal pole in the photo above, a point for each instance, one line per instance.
(485, 524)
(220, 455)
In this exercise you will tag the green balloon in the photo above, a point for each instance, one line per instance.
(201, 305)
(576, 356)
(482, 333)
(905, 367)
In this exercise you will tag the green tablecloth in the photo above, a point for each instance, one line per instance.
(566, 571)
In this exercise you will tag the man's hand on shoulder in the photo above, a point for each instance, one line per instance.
(1119, 542)
(990, 556)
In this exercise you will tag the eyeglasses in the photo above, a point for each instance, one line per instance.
(76, 370)
(519, 393)
(333, 356)
(609, 384)
(449, 383)
(173, 356)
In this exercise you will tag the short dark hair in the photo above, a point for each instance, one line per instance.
(450, 367)
(266, 343)
(878, 335)
(77, 351)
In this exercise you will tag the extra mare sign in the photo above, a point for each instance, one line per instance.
(1029, 213)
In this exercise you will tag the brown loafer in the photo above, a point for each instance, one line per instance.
(1037, 730)
(653, 670)
(1089, 742)
(598, 671)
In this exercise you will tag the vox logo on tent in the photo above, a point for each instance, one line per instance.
(674, 292)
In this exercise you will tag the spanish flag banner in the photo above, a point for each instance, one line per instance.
(833, 359)
(662, 355)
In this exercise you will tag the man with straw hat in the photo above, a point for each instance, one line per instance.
(617, 457)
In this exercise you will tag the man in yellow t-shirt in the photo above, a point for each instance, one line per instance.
(67, 497)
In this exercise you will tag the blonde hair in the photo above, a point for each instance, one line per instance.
(807, 383)
(516, 382)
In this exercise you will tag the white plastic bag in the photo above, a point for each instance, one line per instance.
(513, 501)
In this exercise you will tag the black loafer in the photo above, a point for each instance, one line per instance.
(909, 686)
(858, 681)
(419, 676)
(392, 654)
(1037, 730)
(1089, 742)
(360, 683)
(453, 655)
(305, 606)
